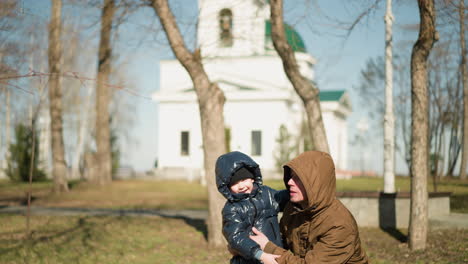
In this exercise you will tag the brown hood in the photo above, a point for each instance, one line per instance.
(317, 173)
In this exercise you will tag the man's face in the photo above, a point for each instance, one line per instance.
(242, 186)
(297, 192)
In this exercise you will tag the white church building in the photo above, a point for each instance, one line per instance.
(237, 53)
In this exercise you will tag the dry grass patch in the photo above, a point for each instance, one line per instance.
(129, 194)
(105, 240)
(60, 239)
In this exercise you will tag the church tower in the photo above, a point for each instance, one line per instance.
(232, 28)
(234, 37)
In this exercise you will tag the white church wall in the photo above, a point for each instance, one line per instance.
(266, 116)
(261, 71)
(241, 117)
(343, 144)
(173, 119)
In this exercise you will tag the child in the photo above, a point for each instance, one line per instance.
(249, 204)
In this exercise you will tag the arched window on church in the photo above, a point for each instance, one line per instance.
(225, 26)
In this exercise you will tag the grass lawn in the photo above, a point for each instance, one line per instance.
(67, 239)
(84, 239)
(154, 194)
(131, 194)
(61, 239)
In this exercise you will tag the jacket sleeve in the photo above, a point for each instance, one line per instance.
(236, 230)
(331, 248)
(280, 197)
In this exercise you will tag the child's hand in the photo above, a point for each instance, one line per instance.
(259, 238)
(267, 258)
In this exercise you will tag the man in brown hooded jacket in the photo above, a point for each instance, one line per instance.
(316, 227)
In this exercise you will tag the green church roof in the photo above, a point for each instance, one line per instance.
(331, 95)
(294, 39)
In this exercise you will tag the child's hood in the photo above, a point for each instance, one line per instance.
(227, 164)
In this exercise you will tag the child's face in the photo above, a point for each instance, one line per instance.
(242, 186)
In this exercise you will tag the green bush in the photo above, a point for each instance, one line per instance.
(20, 155)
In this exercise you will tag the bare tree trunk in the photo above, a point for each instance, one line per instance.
(308, 92)
(83, 129)
(437, 154)
(389, 118)
(454, 147)
(103, 155)
(210, 102)
(7, 127)
(59, 167)
(418, 224)
(464, 74)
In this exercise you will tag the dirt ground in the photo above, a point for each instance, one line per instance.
(444, 246)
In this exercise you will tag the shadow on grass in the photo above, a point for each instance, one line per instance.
(397, 234)
(19, 200)
(459, 203)
(20, 243)
(387, 216)
(196, 222)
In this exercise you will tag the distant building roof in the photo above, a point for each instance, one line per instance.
(293, 38)
(331, 95)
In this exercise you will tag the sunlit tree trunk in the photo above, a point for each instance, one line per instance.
(464, 75)
(7, 126)
(308, 92)
(210, 102)
(59, 167)
(389, 118)
(7, 129)
(103, 155)
(83, 129)
(418, 224)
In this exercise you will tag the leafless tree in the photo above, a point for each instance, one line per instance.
(59, 167)
(103, 155)
(211, 102)
(8, 51)
(371, 90)
(307, 90)
(444, 113)
(418, 224)
(464, 74)
(389, 118)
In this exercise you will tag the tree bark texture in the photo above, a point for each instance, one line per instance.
(389, 118)
(418, 225)
(464, 74)
(103, 156)
(306, 90)
(211, 102)
(82, 134)
(59, 167)
(7, 127)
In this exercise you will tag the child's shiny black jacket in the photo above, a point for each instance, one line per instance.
(243, 211)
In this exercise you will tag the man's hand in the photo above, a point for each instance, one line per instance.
(259, 238)
(267, 258)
